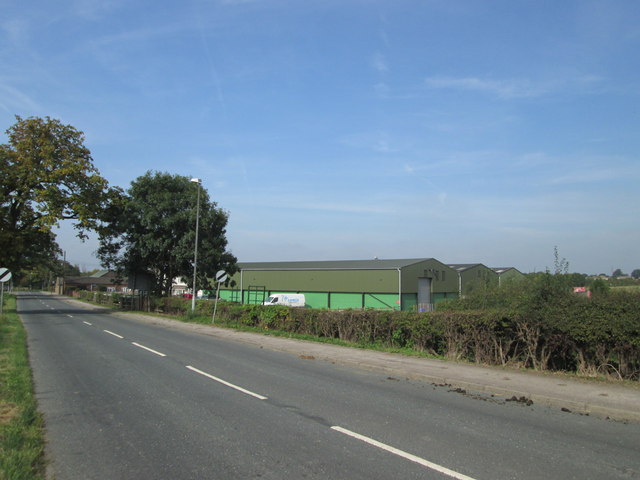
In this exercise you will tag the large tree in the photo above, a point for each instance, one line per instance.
(46, 175)
(154, 232)
(618, 273)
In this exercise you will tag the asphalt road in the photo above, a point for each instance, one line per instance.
(128, 400)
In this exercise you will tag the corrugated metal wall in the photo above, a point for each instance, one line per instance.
(345, 288)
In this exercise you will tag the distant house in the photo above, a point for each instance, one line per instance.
(506, 274)
(103, 280)
(179, 287)
(471, 275)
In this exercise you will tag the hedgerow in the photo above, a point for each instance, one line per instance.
(535, 323)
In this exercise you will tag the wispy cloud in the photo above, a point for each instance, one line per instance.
(382, 89)
(500, 88)
(591, 174)
(279, 202)
(137, 36)
(96, 9)
(379, 63)
(13, 100)
(16, 30)
(515, 88)
(380, 142)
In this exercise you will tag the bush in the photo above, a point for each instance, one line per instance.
(545, 326)
(535, 323)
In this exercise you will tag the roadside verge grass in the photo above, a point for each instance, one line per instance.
(21, 426)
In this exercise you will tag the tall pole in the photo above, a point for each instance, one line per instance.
(197, 181)
(64, 263)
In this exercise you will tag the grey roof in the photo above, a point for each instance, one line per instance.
(374, 264)
(501, 270)
(107, 278)
(461, 267)
(99, 274)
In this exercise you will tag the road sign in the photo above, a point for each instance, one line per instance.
(5, 275)
(221, 276)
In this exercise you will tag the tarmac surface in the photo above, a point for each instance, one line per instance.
(616, 401)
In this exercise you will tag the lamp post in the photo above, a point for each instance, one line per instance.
(197, 181)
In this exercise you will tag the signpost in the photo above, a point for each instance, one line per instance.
(5, 276)
(221, 277)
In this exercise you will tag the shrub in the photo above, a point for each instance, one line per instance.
(536, 323)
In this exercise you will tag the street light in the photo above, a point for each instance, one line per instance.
(197, 181)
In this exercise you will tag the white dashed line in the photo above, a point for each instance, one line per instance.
(148, 349)
(223, 382)
(87, 323)
(403, 454)
(114, 334)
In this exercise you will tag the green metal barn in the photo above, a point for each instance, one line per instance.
(507, 274)
(359, 284)
(472, 275)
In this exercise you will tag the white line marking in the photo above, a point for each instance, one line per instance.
(219, 380)
(87, 323)
(70, 316)
(114, 334)
(403, 454)
(148, 349)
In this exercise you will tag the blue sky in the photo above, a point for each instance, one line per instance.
(469, 131)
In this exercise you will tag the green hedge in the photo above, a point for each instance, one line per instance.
(540, 326)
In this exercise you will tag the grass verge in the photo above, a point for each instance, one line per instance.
(21, 426)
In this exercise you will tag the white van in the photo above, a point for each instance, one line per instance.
(287, 299)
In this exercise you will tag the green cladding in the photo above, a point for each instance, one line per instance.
(358, 284)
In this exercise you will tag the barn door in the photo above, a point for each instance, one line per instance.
(424, 295)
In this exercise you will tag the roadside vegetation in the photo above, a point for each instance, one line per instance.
(21, 426)
(536, 323)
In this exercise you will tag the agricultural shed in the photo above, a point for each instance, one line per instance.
(506, 274)
(404, 284)
(471, 275)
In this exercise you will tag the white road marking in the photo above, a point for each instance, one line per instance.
(231, 385)
(87, 323)
(148, 349)
(403, 454)
(114, 334)
(70, 316)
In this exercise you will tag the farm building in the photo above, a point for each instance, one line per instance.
(378, 284)
(506, 274)
(103, 280)
(470, 275)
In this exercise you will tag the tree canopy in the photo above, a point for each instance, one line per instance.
(46, 175)
(154, 232)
